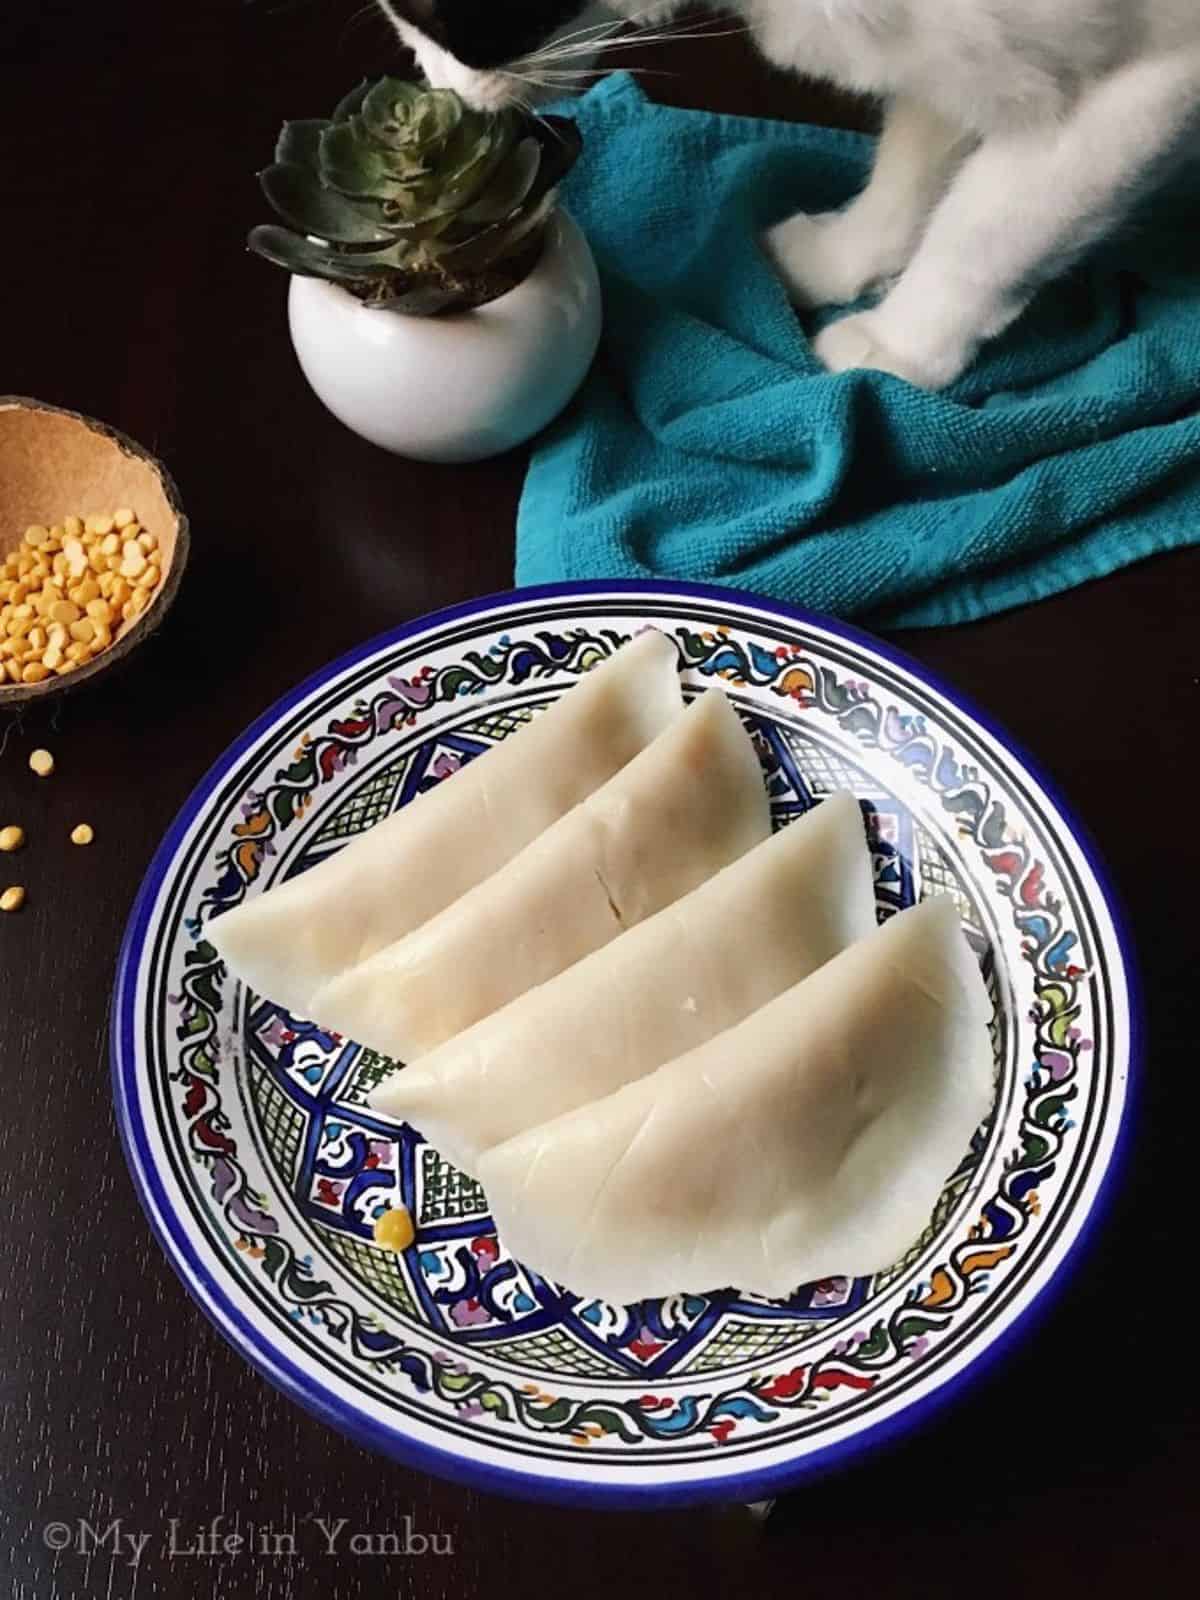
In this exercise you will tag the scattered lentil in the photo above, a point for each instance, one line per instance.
(394, 1229)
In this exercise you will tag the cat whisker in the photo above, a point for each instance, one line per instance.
(579, 36)
(561, 84)
(587, 55)
(530, 110)
(358, 19)
(562, 49)
(637, 21)
(547, 124)
(553, 78)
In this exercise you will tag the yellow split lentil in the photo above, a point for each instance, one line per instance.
(66, 591)
(394, 1229)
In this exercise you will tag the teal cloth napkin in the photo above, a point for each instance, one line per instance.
(707, 444)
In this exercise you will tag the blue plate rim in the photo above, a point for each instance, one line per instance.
(758, 1484)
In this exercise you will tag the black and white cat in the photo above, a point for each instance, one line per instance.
(1017, 133)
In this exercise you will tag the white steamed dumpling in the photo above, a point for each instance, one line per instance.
(687, 806)
(809, 1140)
(667, 985)
(287, 942)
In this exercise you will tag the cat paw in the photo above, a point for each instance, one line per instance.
(820, 259)
(862, 342)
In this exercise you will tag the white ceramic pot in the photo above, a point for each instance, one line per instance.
(457, 387)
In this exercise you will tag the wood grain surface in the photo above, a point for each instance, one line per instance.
(129, 135)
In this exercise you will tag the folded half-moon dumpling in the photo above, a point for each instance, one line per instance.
(675, 980)
(810, 1140)
(691, 803)
(289, 941)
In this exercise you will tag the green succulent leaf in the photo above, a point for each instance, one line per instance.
(407, 119)
(454, 187)
(351, 104)
(508, 186)
(423, 227)
(424, 299)
(402, 95)
(385, 108)
(312, 260)
(561, 143)
(426, 206)
(477, 149)
(437, 116)
(304, 202)
(498, 242)
(356, 166)
(299, 143)
(414, 199)
(477, 248)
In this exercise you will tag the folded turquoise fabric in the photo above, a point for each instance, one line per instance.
(707, 444)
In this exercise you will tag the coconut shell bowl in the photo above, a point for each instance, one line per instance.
(56, 463)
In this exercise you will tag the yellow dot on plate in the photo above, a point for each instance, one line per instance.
(84, 833)
(41, 762)
(394, 1230)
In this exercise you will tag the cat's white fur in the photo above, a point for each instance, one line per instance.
(1017, 133)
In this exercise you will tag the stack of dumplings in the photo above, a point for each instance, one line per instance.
(673, 1047)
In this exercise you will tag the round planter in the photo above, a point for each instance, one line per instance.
(457, 387)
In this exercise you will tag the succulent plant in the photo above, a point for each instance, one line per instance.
(412, 200)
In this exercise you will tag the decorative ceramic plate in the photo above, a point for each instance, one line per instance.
(263, 1170)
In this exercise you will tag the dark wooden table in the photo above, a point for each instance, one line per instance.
(128, 139)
